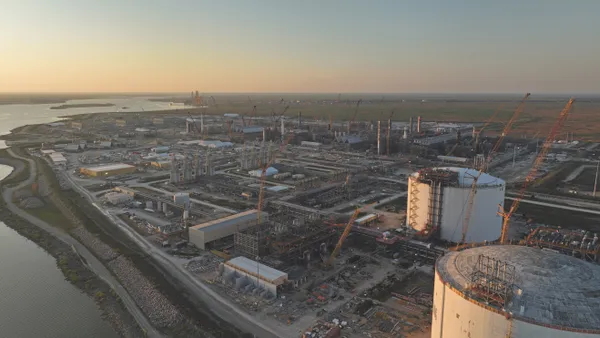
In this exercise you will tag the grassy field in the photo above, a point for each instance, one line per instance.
(537, 117)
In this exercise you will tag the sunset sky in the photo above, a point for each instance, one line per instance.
(545, 46)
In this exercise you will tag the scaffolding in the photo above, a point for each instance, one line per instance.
(414, 202)
(493, 280)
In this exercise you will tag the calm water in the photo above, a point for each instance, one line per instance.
(16, 115)
(35, 300)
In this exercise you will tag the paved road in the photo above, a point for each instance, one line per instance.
(170, 194)
(558, 206)
(219, 305)
(93, 263)
(571, 201)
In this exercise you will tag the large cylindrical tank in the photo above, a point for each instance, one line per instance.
(438, 197)
(549, 297)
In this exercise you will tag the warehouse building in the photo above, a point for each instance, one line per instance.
(202, 235)
(108, 170)
(246, 271)
(118, 197)
(57, 158)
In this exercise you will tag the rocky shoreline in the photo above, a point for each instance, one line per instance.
(70, 263)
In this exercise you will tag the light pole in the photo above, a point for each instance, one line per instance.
(596, 179)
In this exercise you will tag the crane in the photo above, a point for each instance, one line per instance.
(345, 234)
(471, 201)
(354, 116)
(252, 114)
(263, 178)
(558, 124)
(508, 127)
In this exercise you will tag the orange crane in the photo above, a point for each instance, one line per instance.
(263, 178)
(470, 203)
(354, 116)
(344, 235)
(558, 124)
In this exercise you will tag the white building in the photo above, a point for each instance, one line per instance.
(537, 294)
(255, 273)
(438, 198)
(118, 198)
(202, 235)
(258, 172)
(57, 158)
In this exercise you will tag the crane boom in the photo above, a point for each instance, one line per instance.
(354, 116)
(558, 124)
(263, 178)
(471, 200)
(345, 234)
(508, 127)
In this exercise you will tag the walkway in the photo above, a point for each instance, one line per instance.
(92, 262)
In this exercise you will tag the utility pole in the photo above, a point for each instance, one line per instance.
(514, 155)
(596, 180)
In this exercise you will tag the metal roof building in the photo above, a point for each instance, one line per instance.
(202, 234)
(108, 170)
(256, 273)
(507, 290)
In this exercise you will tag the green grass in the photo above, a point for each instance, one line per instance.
(50, 214)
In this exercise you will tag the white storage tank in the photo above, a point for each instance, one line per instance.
(548, 294)
(438, 198)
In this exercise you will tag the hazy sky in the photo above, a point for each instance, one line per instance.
(300, 46)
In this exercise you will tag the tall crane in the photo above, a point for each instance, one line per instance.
(263, 178)
(471, 201)
(354, 115)
(252, 114)
(345, 234)
(558, 124)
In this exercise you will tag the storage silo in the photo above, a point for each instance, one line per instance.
(438, 198)
(502, 291)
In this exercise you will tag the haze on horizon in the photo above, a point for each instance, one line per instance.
(462, 46)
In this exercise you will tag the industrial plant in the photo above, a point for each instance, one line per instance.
(325, 228)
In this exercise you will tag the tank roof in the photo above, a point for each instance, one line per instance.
(556, 289)
(466, 175)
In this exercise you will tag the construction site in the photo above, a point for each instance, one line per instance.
(318, 228)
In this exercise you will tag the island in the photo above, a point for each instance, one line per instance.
(83, 105)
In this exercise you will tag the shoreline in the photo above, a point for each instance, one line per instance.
(72, 265)
(198, 321)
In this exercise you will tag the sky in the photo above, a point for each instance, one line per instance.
(333, 46)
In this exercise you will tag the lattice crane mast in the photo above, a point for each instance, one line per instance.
(354, 116)
(558, 124)
(345, 234)
(263, 178)
(471, 201)
(507, 128)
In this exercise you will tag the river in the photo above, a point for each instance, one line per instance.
(35, 299)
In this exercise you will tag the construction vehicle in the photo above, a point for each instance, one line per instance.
(354, 115)
(558, 124)
(471, 201)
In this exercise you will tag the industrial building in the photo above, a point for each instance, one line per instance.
(108, 170)
(247, 271)
(438, 198)
(202, 234)
(118, 197)
(57, 158)
(515, 291)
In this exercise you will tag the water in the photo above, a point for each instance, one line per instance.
(16, 115)
(35, 300)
